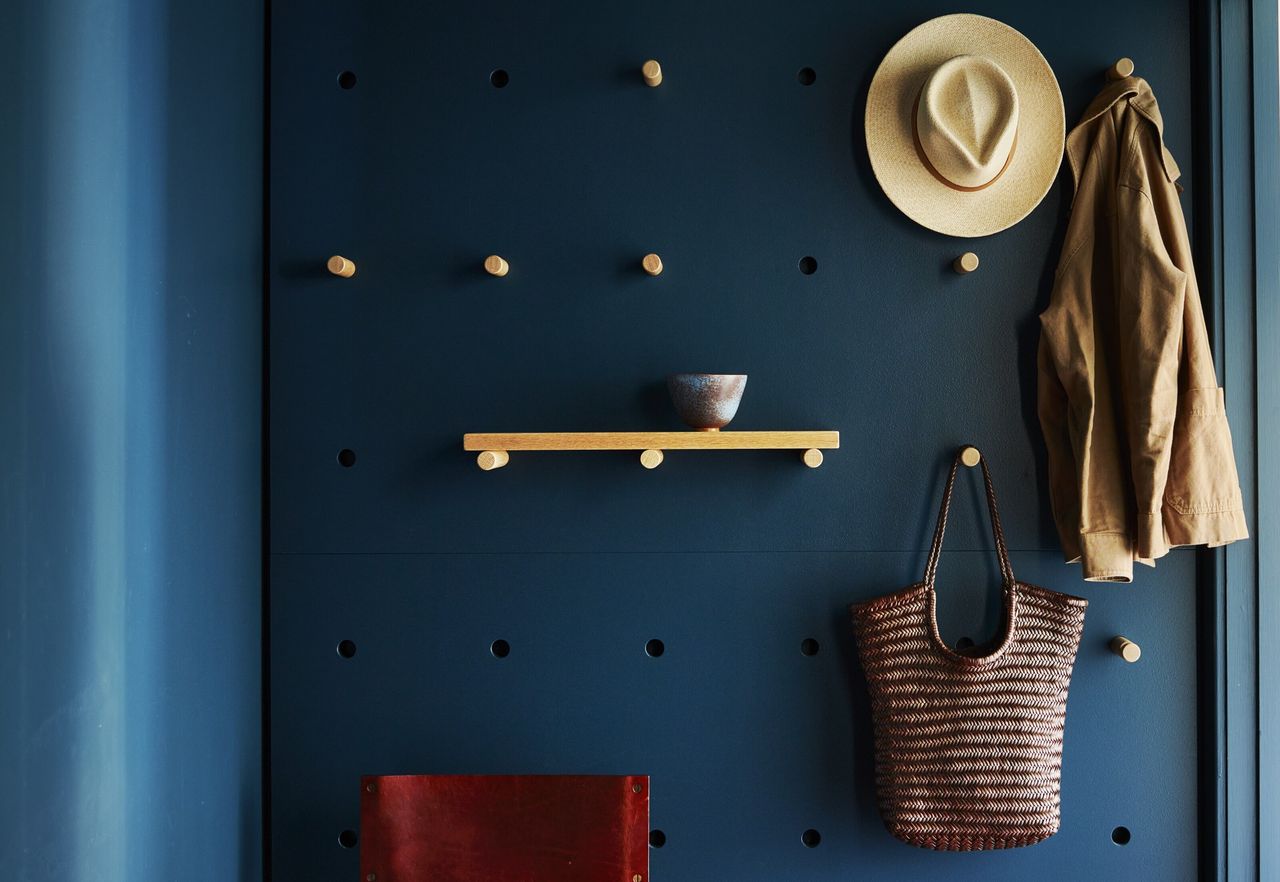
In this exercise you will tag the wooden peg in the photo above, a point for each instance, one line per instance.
(652, 73)
(496, 266)
(340, 266)
(970, 456)
(652, 264)
(1126, 648)
(651, 459)
(965, 263)
(813, 457)
(1121, 69)
(492, 459)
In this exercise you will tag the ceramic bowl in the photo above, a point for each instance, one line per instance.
(707, 402)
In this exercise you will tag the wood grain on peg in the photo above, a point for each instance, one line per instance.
(651, 459)
(652, 264)
(813, 457)
(971, 456)
(496, 266)
(1126, 648)
(341, 266)
(1121, 69)
(652, 73)
(492, 459)
(965, 263)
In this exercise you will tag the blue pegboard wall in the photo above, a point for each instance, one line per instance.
(753, 720)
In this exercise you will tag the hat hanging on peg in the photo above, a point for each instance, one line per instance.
(970, 456)
(341, 266)
(1121, 69)
(652, 73)
(496, 266)
(965, 263)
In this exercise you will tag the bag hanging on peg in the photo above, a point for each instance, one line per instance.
(950, 794)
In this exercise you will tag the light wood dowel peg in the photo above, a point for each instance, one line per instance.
(1126, 648)
(651, 459)
(1121, 69)
(813, 457)
(652, 264)
(489, 460)
(341, 266)
(496, 266)
(965, 263)
(971, 456)
(652, 73)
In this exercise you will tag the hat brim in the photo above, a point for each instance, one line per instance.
(909, 183)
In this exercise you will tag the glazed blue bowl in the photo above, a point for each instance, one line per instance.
(707, 402)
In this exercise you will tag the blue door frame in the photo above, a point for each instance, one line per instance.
(1240, 106)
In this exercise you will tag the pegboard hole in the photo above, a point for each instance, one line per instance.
(964, 643)
(808, 265)
(1121, 835)
(348, 839)
(654, 648)
(346, 457)
(347, 649)
(806, 76)
(499, 78)
(809, 646)
(811, 838)
(657, 839)
(500, 648)
(347, 79)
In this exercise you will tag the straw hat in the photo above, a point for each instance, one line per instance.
(965, 126)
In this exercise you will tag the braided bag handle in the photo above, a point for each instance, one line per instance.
(1002, 551)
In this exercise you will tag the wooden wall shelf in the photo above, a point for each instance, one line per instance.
(495, 447)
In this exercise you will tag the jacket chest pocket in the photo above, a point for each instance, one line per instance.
(1202, 469)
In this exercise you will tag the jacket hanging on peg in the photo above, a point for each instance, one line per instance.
(1140, 456)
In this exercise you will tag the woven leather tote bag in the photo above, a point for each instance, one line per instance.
(968, 744)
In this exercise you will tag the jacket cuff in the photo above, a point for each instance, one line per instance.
(1211, 528)
(1106, 557)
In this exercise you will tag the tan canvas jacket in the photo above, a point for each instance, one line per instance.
(1140, 456)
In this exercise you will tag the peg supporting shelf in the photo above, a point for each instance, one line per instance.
(495, 448)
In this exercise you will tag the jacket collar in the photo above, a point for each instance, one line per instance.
(1139, 96)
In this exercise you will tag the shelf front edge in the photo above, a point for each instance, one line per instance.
(687, 440)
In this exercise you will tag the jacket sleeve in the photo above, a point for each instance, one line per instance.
(1200, 497)
(1150, 301)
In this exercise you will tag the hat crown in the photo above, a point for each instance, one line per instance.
(967, 120)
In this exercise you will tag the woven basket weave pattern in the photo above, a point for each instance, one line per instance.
(969, 747)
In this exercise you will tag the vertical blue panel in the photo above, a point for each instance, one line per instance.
(1240, 363)
(1266, 119)
(732, 171)
(130, 344)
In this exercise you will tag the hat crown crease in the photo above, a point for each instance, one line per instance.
(967, 119)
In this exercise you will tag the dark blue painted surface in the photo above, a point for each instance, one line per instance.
(732, 171)
(130, 535)
(1266, 57)
(1245, 248)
